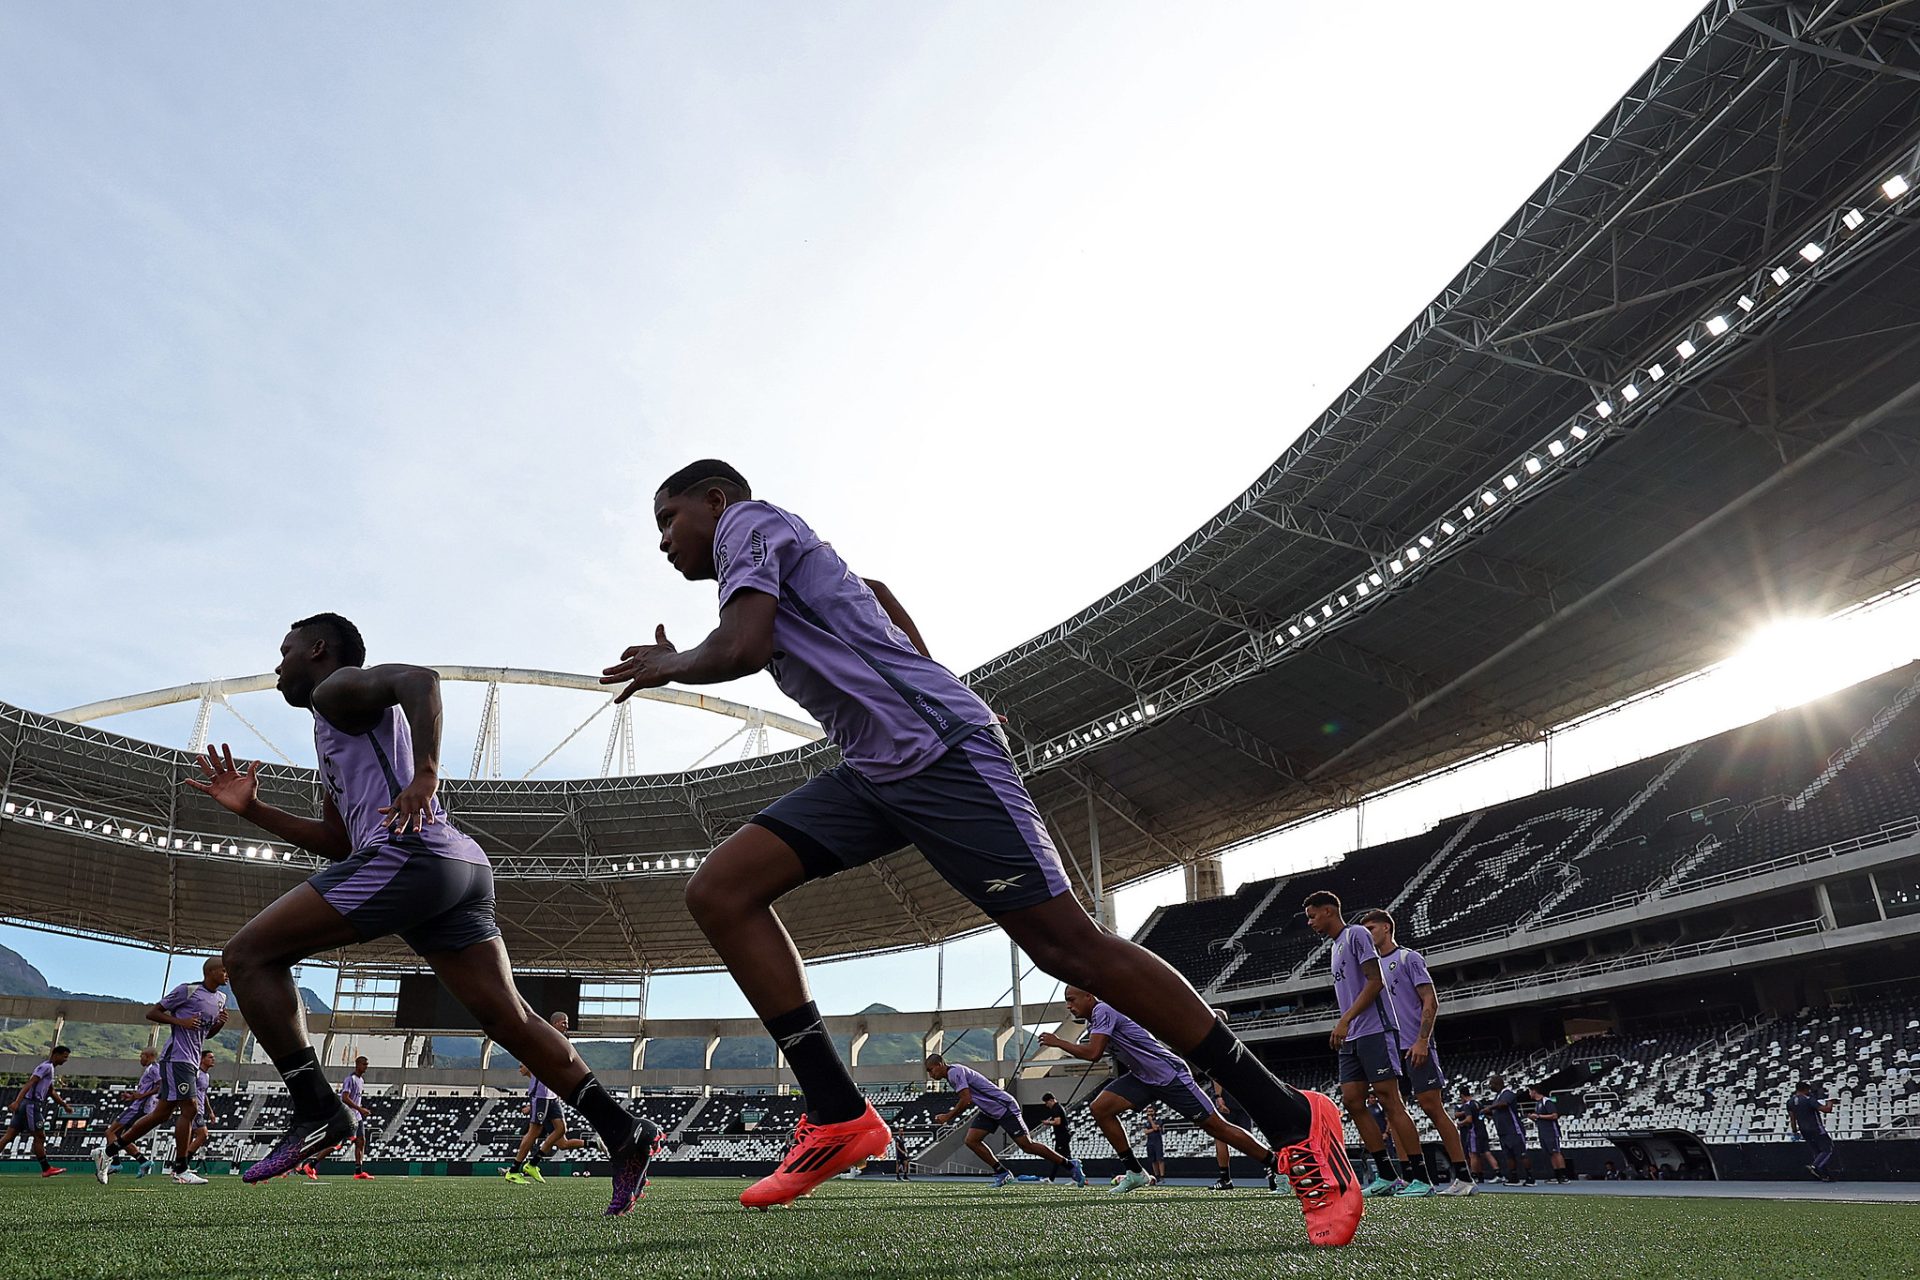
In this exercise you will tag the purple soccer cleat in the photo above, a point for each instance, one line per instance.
(630, 1167)
(307, 1138)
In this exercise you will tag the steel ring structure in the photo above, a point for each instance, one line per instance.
(1676, 387)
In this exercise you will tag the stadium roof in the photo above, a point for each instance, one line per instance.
(1673, 392)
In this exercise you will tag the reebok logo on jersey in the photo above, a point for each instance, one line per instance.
(1001, 886)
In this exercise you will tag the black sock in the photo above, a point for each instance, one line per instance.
(1226, 1173)
(613, 1122)
(179, 1164)
(307, 1083)
(1461, 1173)
(1280, 1111)
(44, 1165)
(112, 1148)
(1130, 1162)
(1417, 1168)
(998, 1168)
(1384, 1163)
(534, 1160)
(832, 1097)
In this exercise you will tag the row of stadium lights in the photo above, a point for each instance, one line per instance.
(1557, 451)
(113, 829)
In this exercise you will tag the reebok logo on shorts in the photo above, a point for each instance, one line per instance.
(1001, 886)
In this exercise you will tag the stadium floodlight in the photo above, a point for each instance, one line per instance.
(126, 833)
(1577, 431)
(1308, 622)
(1686, 349)
(252, 852)
(1716, 325)
(1344, 602)
(1398, 566)
(1556, 448)
(286, 855)
(232, 850)
(1466, 513)
(1376, 579)
(9, 806)
(1326, 611)
(67, 821)
(1427, 542)
(1294, 631)
(1138, 716)
(1488, 498)
(1362, 588)
(1655, 372)
(87, 823)
(1446, 527)
(142, 837)
(196, 847)
(1812, 252)
(1604, 408)
(1630, 392)
(1111, 727)
(1852, 219)
(1744, 303)
(1413, 554)
(1781, 275)
(1895, 187)
(1151, 709)
(1512, 482)
(1533, 466)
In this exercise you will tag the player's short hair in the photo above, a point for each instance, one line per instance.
(1377, 915)
(59, 1048)
(705, 469)
(1322, 898)
(341, 636)
(1496, 1082)
(1047, 1097)
(1802, 1087)
(934, 1060)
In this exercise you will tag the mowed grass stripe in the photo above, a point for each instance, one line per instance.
(70, 1228)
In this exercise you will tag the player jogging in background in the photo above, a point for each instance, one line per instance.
(1149, 1073)
(1806, 1116)
(140, 1100)
(1415, 1005)
(1059, 1128)
(1364, 1038)
(203, 1118)
(1546, 1123)
(399, 866)
(29, 1112)
(195, 1011)
(994, 1108)
(1511, 1126)
(353, 1095)
(546, 1133)
(923, 763)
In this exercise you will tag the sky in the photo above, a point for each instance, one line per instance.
(404, 311)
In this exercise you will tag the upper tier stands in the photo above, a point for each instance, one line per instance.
(1839, 769)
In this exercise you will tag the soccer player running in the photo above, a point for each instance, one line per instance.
(27, 1114)
(993, 1108)
(1415, 1005)
(543, 1118)
(922, 763)
(1149, 1073)
(1053, 1117)
(353, 1096)
(1806, 1116)
(1364, 1038)
(1508, 1123)
(201, 1132)
(1546, 1123)
(195, 1011)
(399, 866)
(140, 1100)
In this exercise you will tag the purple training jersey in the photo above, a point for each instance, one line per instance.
(201, 1084)
(537, 1091)
(40, 1083)
(191, 1000)
(365, 772)
(987, 1095)
(891, 710)
(1404, 970)
(149, 1079)
(1135, 1048)
(351, 1087)
(1351, 951)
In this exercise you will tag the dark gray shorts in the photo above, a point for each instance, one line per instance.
(30, 1118)
(362, 1128)
(1183, 1096)
(968, 813)
(1512, 1142)
(435, 903)
(178, 1080)
(543, 1112)
(1013, 1124)
(1156, 1147)
(1549, 1136)
(1369, 1059)
(1424, 1077)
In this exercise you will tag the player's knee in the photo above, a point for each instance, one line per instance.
(711, 900)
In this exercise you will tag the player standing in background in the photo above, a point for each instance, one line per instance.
(1546, 1123)
(1363, 1036)
(1156, 1134)
(399, 866)
(29, 1112)
(1512, 1128)
(203, 1117)
(1150, 1073)
(1415, 1003)
(1471, 1118)
(1053, 1118)
(923, 763)
(1806, 1116)
(140, 1100)
(994, 1108)
(353, 1092)
(195, 1011)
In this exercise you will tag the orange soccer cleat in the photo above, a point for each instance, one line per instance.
(819, 1152)
(1321, 1175)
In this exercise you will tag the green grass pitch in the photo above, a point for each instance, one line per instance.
(71, 1228)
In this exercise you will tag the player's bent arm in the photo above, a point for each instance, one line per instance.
(896, 613)
(1368, 993)
(1429, 1012)
(325, 835)
(1089, 1052)
(157, 1014)
(741, 645)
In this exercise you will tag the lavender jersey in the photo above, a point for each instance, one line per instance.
(39, 1084)
(351, 1087)
(537, 1092)
(1506, 1114)
(365, 772)
(1135, 1048)
(201, 1083)
(987, 1095)
(1351, 951)
(891, 710)
(191, 1000)
(1404, 970)
(149, 1079)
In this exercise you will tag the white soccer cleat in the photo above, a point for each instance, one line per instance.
(1458, 1187)
(102, 1166)
(188, 1178)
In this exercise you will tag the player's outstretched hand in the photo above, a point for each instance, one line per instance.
(231, 788)
(639, 666)
(412, 809)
